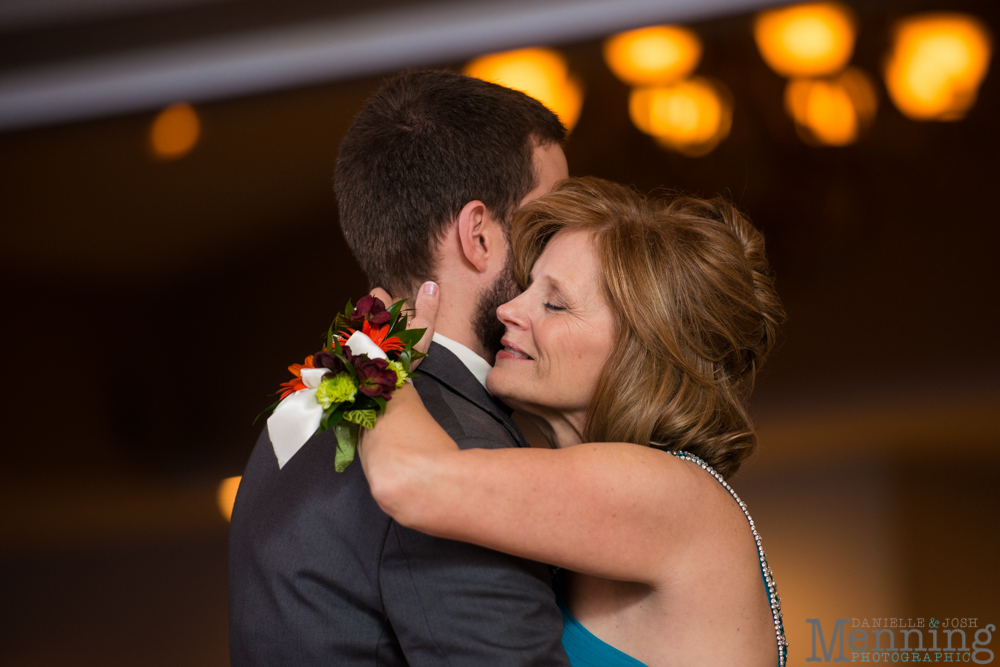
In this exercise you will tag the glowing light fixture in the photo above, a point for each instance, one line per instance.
(832, 112)
(655, 55)
(936, 65)
(539, 72)
(690, 117)
(814, 39)
(174, 132)
(226, 495)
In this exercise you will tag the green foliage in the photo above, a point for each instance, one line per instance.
(364, 418)
(393, 311)
(330, 418)
(343, 324)
(347, 443)
(411, 337)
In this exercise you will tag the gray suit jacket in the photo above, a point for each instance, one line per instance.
(319, 575)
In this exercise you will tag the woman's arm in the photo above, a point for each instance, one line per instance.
(612, 510)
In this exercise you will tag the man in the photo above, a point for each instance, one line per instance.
(427, 179)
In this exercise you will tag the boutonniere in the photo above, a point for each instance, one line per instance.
(346, 385)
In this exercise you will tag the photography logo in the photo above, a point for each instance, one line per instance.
(902, 640)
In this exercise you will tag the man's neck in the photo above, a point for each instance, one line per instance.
(456, 324)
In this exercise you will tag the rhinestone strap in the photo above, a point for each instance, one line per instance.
(772, 591)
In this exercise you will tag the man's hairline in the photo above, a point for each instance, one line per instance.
(536, 141)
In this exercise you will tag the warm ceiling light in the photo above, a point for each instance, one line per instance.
(175, 131)
(814, 39)
(690, 117)
(936, 66)
(226, 495)
(655, 55)
(541, 73)
(832, 112)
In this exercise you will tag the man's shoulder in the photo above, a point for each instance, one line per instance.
(463, 417)
(304, 549)
(306, 495)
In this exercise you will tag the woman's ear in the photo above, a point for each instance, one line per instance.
(477, 233)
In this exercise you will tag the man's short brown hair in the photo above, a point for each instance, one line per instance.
(426, 144)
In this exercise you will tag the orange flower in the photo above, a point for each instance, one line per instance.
(378, 335)
(297, 383)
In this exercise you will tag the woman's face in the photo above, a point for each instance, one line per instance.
(559, 333)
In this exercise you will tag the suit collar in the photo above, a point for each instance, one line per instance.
(446, 368)
(478, 366)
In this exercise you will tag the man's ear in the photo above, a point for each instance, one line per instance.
(477, 233)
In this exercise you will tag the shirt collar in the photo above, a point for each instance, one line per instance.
(478, 366)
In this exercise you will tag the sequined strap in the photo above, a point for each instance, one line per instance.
(772, 591)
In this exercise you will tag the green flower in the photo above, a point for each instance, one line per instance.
(401, 373)
(337, 389)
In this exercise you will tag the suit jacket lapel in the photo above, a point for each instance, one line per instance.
(449, 370)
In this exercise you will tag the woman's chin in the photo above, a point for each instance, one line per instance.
(494, 385)
(501, 384)
(511, 390)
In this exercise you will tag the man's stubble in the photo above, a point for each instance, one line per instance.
(488, 327)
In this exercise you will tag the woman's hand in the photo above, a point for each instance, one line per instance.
(425, 311)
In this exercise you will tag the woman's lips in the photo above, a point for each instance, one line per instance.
(510, 351)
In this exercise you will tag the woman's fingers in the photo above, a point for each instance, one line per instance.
(425, 311)
(428, 299)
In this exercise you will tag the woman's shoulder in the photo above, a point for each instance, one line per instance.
(699, 495)
(672, 481)
(677, 469)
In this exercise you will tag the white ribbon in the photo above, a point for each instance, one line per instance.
(297, 417)
(359, 343)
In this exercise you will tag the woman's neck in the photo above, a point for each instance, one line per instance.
(561, 430)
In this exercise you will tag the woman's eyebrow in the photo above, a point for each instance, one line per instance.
(557, 287)
(549, 282)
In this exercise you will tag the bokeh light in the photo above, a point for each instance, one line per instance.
(936, 65)
(809, 40)
(834, 111)
(226, 495)
(654, 55)
(690, 117)
(175, 131)
(539, 72)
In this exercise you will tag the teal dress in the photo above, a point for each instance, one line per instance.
(585, 650)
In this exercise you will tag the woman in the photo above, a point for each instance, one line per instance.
(637, 337)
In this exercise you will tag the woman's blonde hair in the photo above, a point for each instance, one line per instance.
(696, 310)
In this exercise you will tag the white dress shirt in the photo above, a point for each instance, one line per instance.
(476, 364)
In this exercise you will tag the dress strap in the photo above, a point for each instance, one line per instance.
(772, 591)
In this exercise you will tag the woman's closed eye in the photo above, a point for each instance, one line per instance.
(553, 307)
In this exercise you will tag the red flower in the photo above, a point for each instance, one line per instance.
(324, 359)
(297, 383)
(370, 309)
(375, 378)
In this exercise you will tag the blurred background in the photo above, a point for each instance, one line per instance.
(169, 244)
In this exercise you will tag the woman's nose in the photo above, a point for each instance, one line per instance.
(511, 314)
